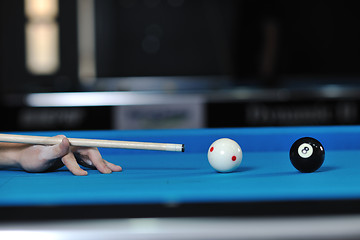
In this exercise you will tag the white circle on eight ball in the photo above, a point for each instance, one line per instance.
(305, 150)
(225, 155)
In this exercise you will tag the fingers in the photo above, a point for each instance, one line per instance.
(95, 157)
(88, 157)
(91, 158)
(70, 162)
(86, 162)
(83, 161)
(113, 167)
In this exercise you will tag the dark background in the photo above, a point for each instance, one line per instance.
(155, 38)
(14, 76)
(312, 38)
(257, 44)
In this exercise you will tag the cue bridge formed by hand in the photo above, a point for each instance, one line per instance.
(81, 142)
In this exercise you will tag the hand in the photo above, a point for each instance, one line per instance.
(39, 158)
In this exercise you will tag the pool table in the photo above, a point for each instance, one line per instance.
(178, 185)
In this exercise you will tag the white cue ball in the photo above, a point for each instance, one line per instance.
(225, 155)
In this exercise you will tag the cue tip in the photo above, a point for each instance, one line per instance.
(183, 148)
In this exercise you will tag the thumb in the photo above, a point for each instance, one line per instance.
(58, 150)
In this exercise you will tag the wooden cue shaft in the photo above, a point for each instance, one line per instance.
(81, 142)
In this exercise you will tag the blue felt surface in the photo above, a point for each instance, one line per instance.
(165, 177)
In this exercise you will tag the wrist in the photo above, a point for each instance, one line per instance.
(10, 155)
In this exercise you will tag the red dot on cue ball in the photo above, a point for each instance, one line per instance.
(224, 155)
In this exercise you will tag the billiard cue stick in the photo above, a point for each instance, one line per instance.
(82, 142)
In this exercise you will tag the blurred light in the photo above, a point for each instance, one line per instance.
(42, 55)
(42, 36)
(41, 9)
(28, 235)
(77, 99)
(86, 41)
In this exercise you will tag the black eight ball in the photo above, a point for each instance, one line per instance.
(307, 154)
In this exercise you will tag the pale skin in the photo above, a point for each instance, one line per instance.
(40, 158)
